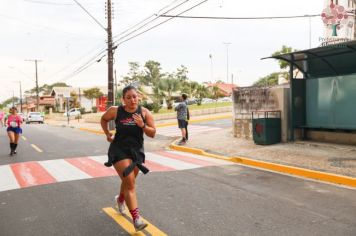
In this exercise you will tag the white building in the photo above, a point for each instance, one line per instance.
(60, 93)
(346, 28)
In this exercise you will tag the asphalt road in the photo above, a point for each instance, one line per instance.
(212, 200)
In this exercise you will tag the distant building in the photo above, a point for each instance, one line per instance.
(224, 89)
(60, 93)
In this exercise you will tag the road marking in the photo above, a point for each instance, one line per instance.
(24, 138)
(7, 179)
(61, 170)
(122, 221)
(128, 226)
(185, 158)
(36, 148)
(31, 174)
(26, 174)
(91, 167)
(179, 165)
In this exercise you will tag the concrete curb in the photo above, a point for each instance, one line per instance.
(296, 171)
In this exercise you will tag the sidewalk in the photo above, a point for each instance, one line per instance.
(330, 158)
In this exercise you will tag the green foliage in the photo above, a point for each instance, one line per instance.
(134, 75)
(153, 73)
(92, 93)
(156, 107)
(74, 103)
(200, 93)
(9, 101)
(147, 105)
(182, 74)
(269, 80)
(169, 85)
(118, 101)
(46, 89)
(82, 110)
(94, 109)
(283, 64)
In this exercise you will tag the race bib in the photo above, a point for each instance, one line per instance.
(13, 124)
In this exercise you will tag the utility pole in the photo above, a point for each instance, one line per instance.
(20, 95)
(13, 98)
(110, 58)
(227, 61)
(37, 90)
(115, 90)
(80, 98)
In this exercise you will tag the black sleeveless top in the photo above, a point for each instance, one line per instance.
(128, 134)
(128, 141)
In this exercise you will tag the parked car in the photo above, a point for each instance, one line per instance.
(207, 100)
(34, 117)
(22, 116)
(73, 112)
(225, 99)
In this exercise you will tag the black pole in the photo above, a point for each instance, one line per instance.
(20, 98)
(291, 99)
(110, 58)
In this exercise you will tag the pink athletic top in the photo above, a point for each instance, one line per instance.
(2, 114)
(14, 118)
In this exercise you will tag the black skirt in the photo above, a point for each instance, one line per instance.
(118, 153)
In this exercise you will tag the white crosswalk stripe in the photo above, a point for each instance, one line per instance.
(63, 171)
(7, 179)
(29, 174)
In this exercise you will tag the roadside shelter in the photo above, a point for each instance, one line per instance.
(325, 98)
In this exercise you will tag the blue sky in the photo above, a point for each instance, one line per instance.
(64, 37)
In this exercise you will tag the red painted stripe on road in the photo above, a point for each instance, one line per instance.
(91, 167)
(185, 158)
(31, 174)
(153, 166)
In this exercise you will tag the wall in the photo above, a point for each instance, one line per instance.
(252, 99)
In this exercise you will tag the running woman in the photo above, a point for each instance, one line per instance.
(14, 130)
(126, 151)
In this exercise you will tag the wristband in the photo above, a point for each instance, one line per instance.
(144, 126)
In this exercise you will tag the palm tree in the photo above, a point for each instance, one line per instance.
(170, 85)
(201, 92)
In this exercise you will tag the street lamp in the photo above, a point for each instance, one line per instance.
(20, 94)
(211, 67)
(227, 61)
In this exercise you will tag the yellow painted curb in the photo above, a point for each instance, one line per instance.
(296, 171)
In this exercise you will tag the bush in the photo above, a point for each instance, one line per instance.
(156, 107)
(199, 100)
(82, 110)
(147, 105)
(94, 109)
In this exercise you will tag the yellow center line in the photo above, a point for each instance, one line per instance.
(24, 138)
(127, 225)
(36, 148)
(122, 221)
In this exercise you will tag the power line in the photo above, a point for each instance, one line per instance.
(53, 3)
(136, 35)
(94, 59)
(153, 15)
(91, 61)
(90, 15)
(239, 18)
